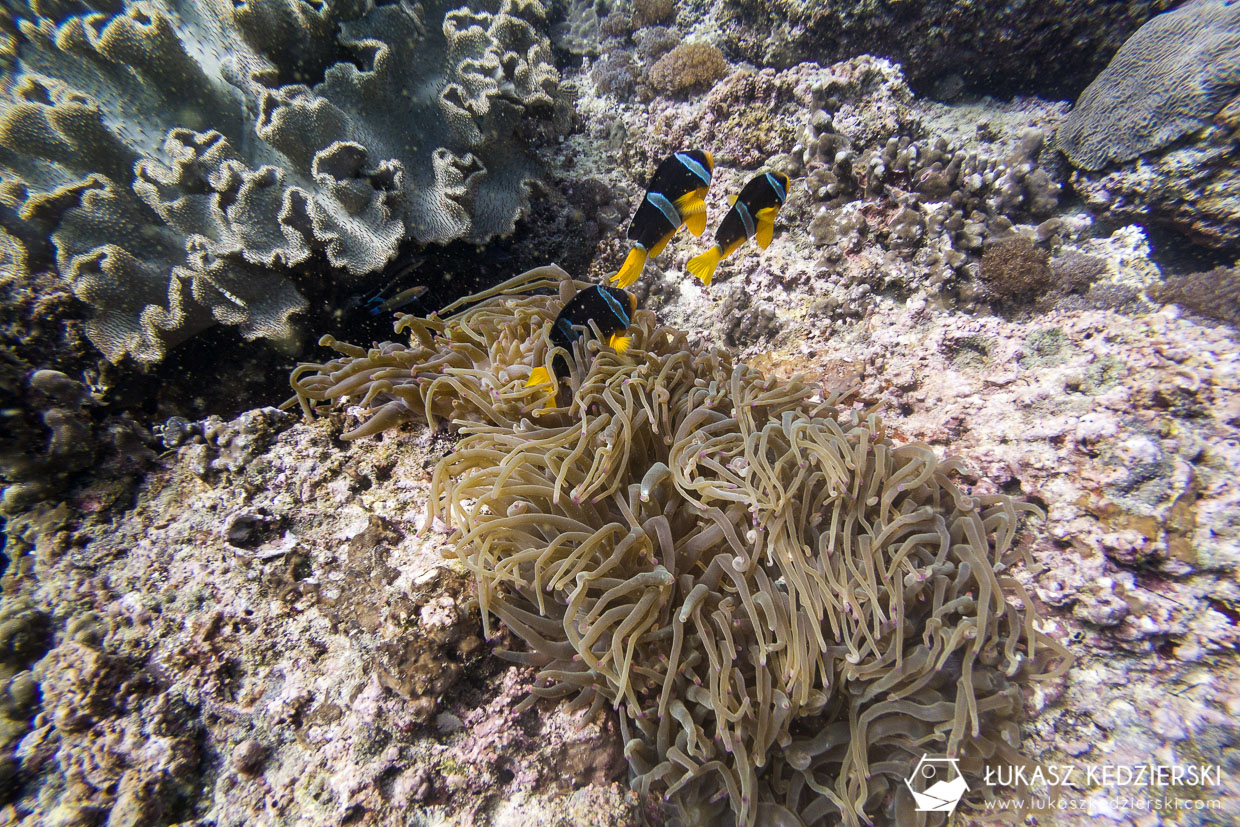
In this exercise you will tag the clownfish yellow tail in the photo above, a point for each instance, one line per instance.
(703, 266)
(620, 342)
(632, 267)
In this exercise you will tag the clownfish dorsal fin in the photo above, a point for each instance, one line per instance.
(732, 198)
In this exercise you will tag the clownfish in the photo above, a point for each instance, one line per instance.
(609, 308)
(752, 216)
(675, 198)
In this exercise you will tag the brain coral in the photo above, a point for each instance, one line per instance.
(1166, 81)
(186, 157)
(785, 607)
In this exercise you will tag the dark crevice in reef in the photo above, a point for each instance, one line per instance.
(449, 273)
(1177, 254)
(218, 373)
(214, 373)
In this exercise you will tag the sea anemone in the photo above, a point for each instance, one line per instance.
(784, 607)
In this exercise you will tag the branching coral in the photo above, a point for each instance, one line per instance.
(785, 607)
(930, 199)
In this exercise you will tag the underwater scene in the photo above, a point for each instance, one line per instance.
(618, 413)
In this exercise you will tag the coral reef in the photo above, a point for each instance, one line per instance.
(1122, 427)
(688, 67)
(56, 430)
(928, 200)
(646, 12)
(1169, 95)
(615, 74)
(213, 445)
(1016, 270)
(580, 31)
(25, 637)
(275, 641)
(1166, 81)
(1193, 188)
(186, 160)
(266, 624)
(1055, 48)
(1213, 293)
(746, 320)
(740, 568)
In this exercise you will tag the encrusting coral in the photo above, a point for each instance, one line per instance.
(785, 607)
(1153, 137)
(689, 66)
(1166, 81)
(184, 158)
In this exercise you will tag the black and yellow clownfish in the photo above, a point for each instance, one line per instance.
(609, 308)
(752, 216)
(675, 198)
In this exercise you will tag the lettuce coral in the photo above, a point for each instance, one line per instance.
(785, 607)
(188, 160)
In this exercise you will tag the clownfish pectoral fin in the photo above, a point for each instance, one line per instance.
(696, 222)
(765, 229)
(620, 342)
(703, 266)
(540, 376)
(632, 267)
(732, 199)
(692, 209)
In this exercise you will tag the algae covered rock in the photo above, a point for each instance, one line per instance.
(1050, 47)
(1192, 187)
(189, 160)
